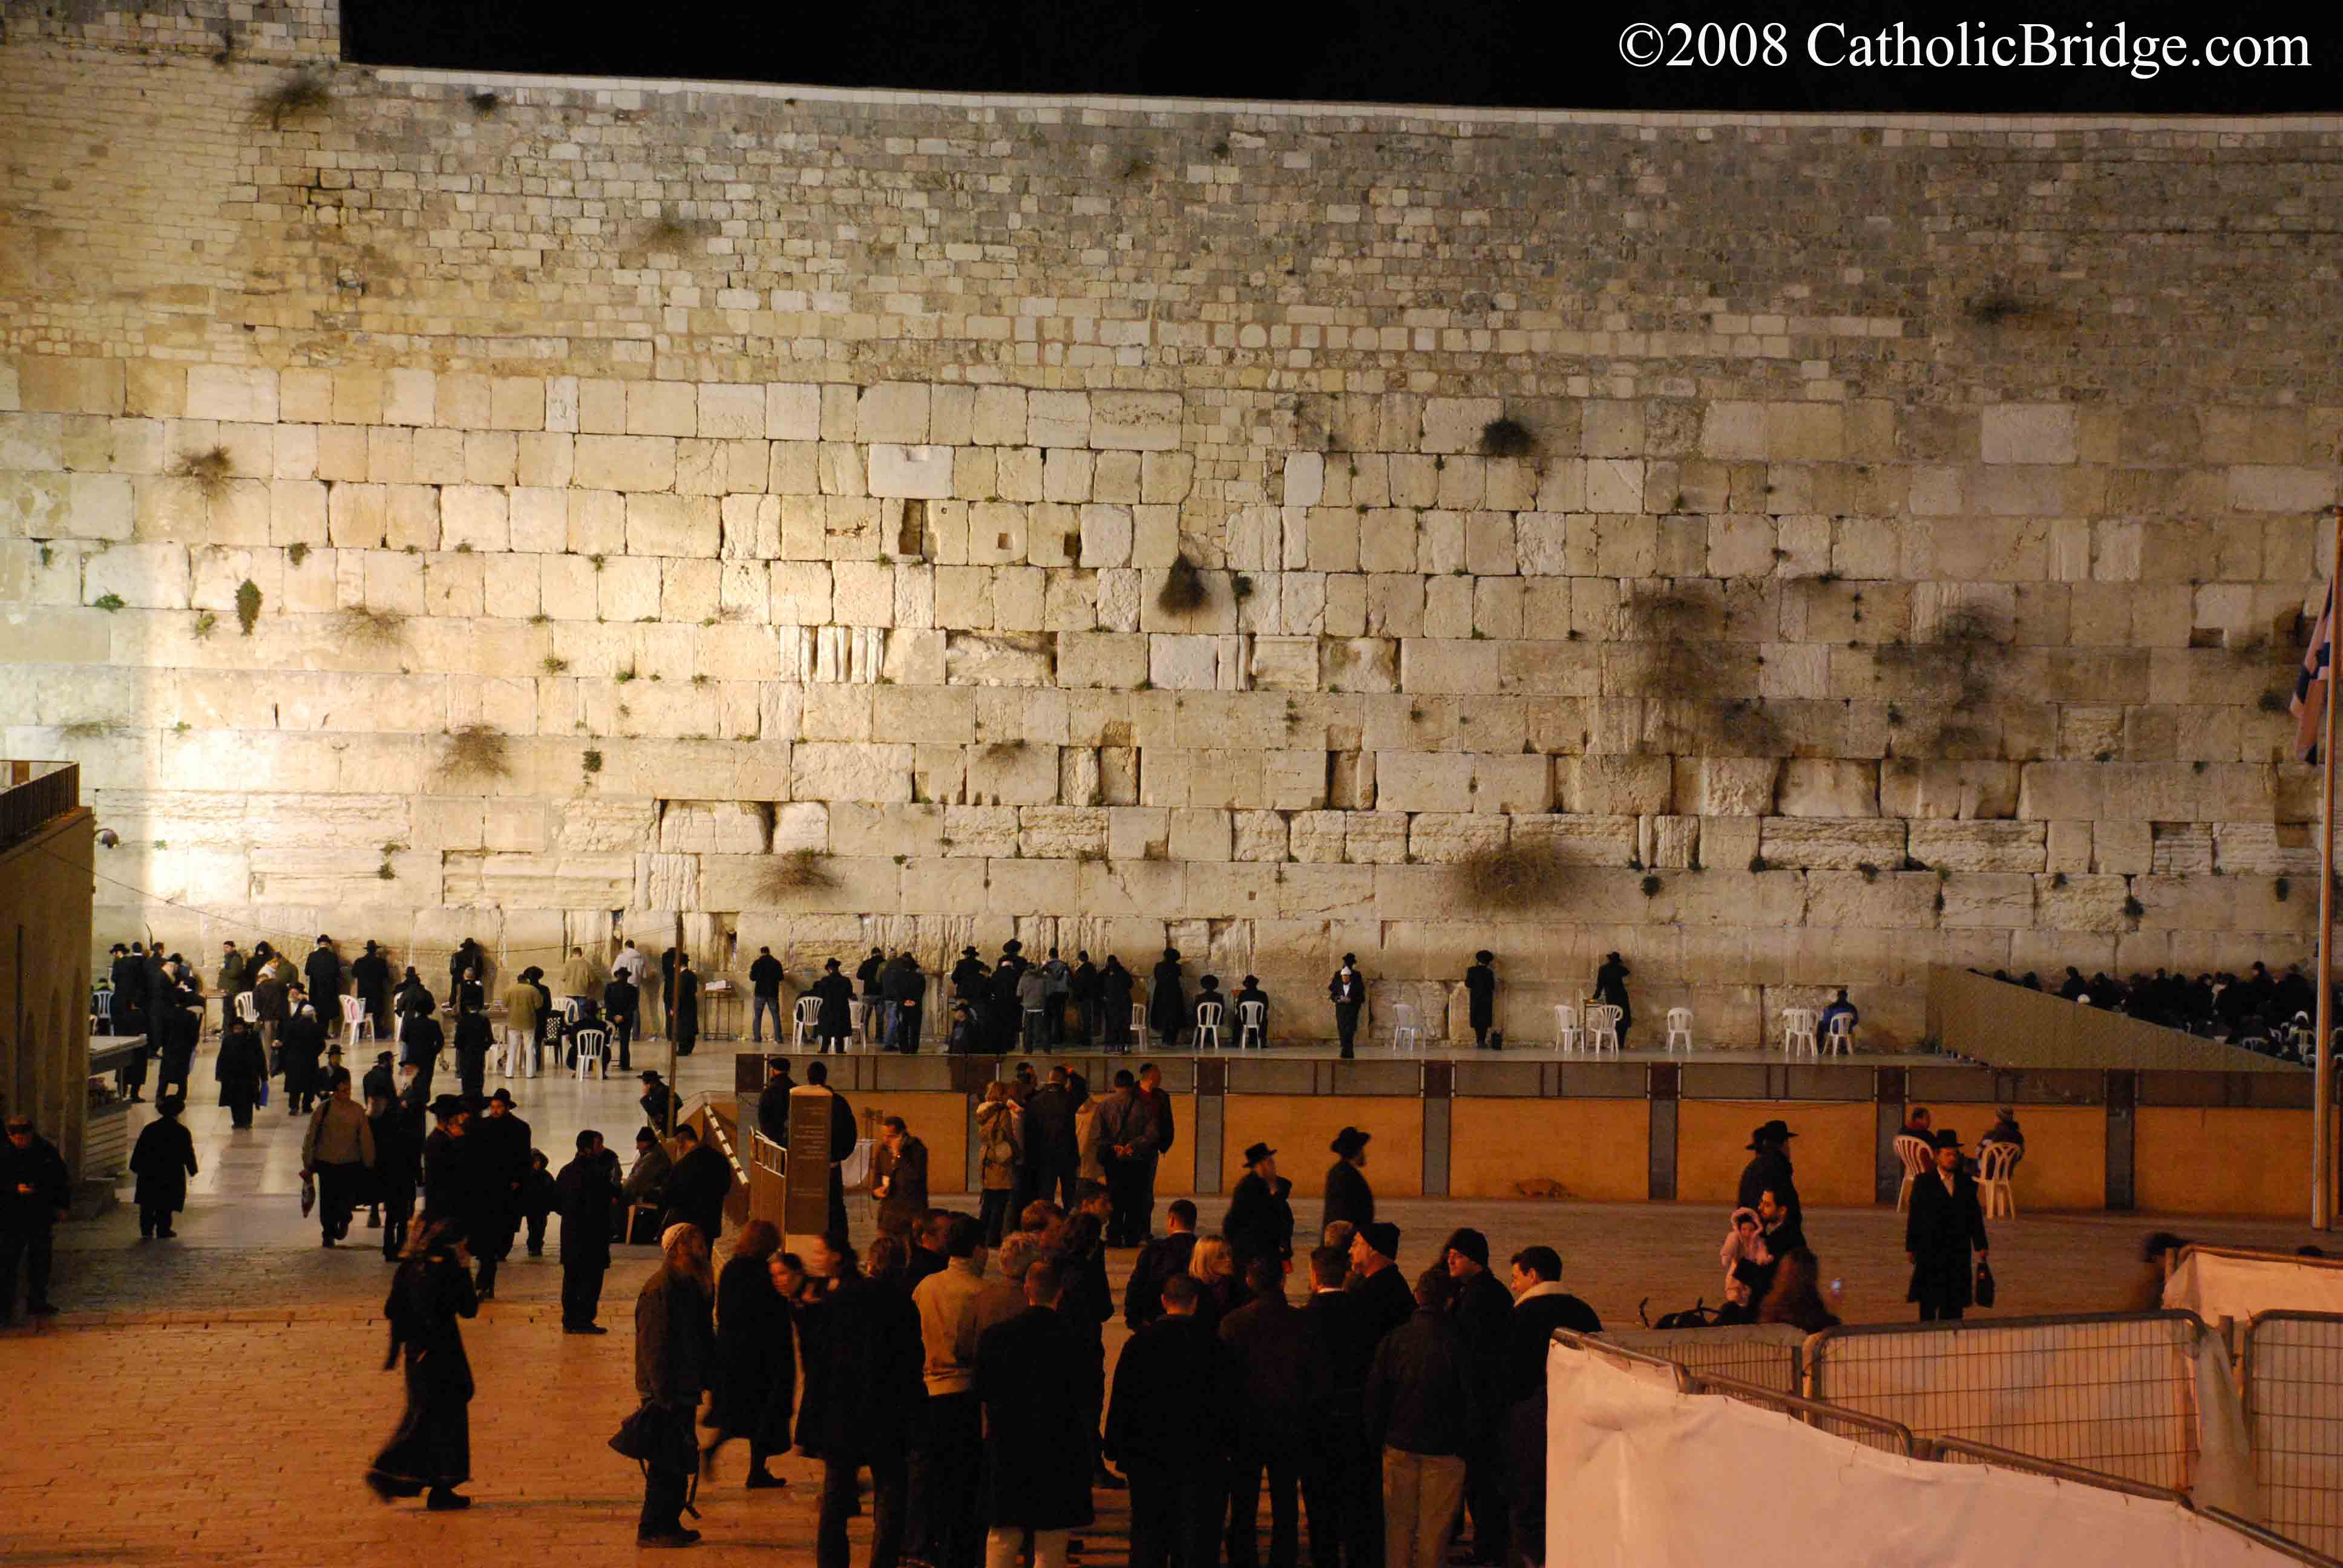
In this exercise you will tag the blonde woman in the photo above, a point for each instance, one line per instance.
(999, 1139)
(1214, 1267)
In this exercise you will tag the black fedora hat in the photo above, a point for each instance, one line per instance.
(1349, 1141)
(1774, 1131)
(1259, 1152)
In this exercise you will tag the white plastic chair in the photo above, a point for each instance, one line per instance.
(1602, 1027)
(1919, 1157)
(1996, 1163)
(857, 1012)
(357, 1024)
(247, 1007)
(1253, 1024)
(1839, 1039)
(1406, 1033)
(1139, 1022)
(807, 1014)
(1798, 1032)
(589, 1044)
(1679, 1028)
(1208, 1025)
(1567, 1036)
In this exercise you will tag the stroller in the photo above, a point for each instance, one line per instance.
(1699, 1315)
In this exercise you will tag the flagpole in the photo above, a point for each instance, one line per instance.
(2322, 1183)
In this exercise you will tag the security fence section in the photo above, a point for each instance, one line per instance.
(1769, 1355)
(2292, 1369)
(2115, 1394)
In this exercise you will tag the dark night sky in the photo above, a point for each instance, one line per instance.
(1522, 52)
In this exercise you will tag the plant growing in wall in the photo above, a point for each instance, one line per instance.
(476, 751)
(90, 729)
(795, 871)
(296, 552)
(1955, 675)
(1507, 877)
(108, 602)
(591, 762)
(553, 664)
(484, 105)
(1687, 670)
(1184, 588)
(206, 624)
(302, 92)
(1506, 437)
(248, 604)
(211, 469)
(362, 627)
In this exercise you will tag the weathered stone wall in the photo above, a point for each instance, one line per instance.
(1914, 521)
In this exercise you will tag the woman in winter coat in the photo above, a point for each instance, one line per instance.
(756, 1382)
(1003, 1155)
(1115, 985)
(1167, 999)
(242, 1071)
(433, 1445)
(163, 1161)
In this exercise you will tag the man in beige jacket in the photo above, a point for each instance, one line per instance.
(336, 1151)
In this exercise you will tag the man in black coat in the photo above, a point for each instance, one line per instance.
(1483, 1314)
(773, 1104)
(1282, 1375)
(1769, 1167)
(1259, 1222)
(1342, 1485)
(370, 979)
(905, 988)
(1421, 1414)
(1082, 988)
(474, 1037)
(1539, 1306)
(845, 1133)
(34, 1191)
(765, 996)
(1376, 1279)
(1052, 1156)
(835, 994)
(866, 975)
(622, 1005)
(1944, 1224)
(323, 970)
(398, 1126)
(1347, 991)
(1480, 997)
(1170, 1428)
(1349, 1200)
(863, 1396)
(448, 1168)
(697, 1188)
(1159, 1262)
(1040, 1433)
(500, 1145)
(586, 1189)
(301, 1041)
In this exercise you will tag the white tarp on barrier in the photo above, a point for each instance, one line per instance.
(2216, 1285)
(1640, 1476)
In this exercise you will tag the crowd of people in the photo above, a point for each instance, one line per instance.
(2258, 1012)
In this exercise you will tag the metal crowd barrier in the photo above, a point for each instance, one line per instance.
(1771, 1355)
(1868, 1429)
(2111, 1392)
(2291, 1376)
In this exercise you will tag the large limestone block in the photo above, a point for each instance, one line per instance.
(793, 411)
(474, 516)
(893, 411)
(2082, 904)
(1102, 660)
(1827, 787)
(1987, 902)
(1012, 773)
(1030, 888)
(1130, 888)
(1578, 841)
(1423, 782)
(665, 882)
(983, 659)
(660, 525)
(1726, 785)
(1511, 783)
(859, 886)
(1846, 843)
(712, 827)
(1613, 784)
(1000, 419)
(1058, 419)
(1435, 665)
(631, 463)
(2270, 488)
(1440, 836)
(232, 392)
(1133, 421)
(837, 770)
(1931, 789)
(2266, 849)
(662, 409)
(1848, 900)
(1958, 846)
(540, 881)
(144, 576)
(913, 472)
(1062, 832)
(807, 825)
(1455, 424)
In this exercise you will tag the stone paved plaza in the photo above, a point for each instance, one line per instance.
(214, 1398)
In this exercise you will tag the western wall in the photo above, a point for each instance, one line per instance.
(1791, 551)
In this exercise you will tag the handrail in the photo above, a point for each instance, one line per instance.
(1813, 1411)
(1935, 1448)
(1599, 1346)
(2253, 1254)
(2265, 1535)
(2034, 1321)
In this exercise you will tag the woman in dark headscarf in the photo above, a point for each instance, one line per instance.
(756, 1382)
(1167, 999)
(433, 1445)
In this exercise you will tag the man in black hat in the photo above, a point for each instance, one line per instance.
(1480, 997)
(773, 1104)
(1247, 993)
(1260, 1223)
(1348, 1198)
(1769, 1168)
(323, 970)
(447, 1165)
(1483, 1311)
(1347, 991)
(660, 1106)
(500, 1145)
(1944, 1225)
(844, 1134)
